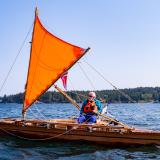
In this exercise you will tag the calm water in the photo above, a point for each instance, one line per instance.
(138, 115)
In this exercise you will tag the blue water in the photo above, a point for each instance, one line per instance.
(137, 115)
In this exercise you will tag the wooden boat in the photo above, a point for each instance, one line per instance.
(50, 58)
(68, 129)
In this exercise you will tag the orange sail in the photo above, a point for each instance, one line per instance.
(50, 57)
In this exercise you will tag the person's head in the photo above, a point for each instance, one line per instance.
(91, 96)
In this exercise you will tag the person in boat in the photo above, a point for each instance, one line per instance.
(89, 109)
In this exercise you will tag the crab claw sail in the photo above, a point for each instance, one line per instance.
(50, 58)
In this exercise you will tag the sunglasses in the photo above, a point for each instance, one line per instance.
(90, 96)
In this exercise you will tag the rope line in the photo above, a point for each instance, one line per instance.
(37, 139)
(36, 116)
(86, 76)
(41, 139)
(14, 61)
(78, 95)
(44, 117)
(121, 92)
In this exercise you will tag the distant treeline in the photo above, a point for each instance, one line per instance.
(141, 94)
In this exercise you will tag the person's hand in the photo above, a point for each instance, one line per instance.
(95, 112)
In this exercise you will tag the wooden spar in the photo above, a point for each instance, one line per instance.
(36, 11)
(69, 98)
(78, 107)
(24, 111)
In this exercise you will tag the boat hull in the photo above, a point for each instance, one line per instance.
(69, 130)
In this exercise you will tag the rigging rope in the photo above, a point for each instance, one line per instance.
(86, 75)
(37, 139)
(89, 80)
(14, 61)
(39, 111)
(78, 95)
(33, 114)
(43, 116)
(121, 92)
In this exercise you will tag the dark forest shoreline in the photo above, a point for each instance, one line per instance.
(139, 95)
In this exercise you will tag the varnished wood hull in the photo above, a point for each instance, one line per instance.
(69, 130)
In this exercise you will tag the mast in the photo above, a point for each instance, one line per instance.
(36, 14)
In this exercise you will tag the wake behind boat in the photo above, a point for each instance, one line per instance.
(50, 59)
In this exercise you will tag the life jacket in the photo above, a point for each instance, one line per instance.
(90, 107)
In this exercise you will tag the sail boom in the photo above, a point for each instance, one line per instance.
(36, 14)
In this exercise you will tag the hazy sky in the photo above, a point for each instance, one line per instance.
(124, 36)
